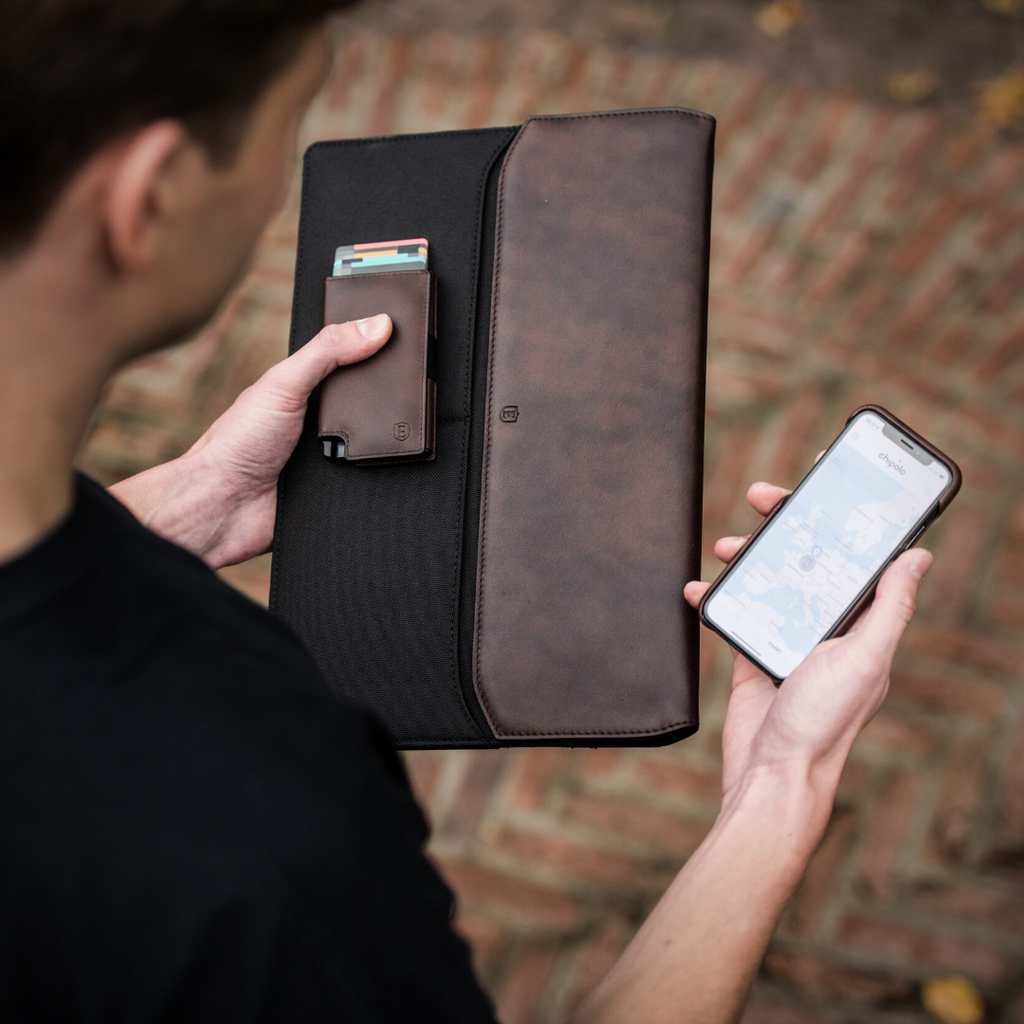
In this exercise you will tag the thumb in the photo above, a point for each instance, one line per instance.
(336, 345)
(883, 625)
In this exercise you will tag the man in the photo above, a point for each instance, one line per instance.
(193, 828)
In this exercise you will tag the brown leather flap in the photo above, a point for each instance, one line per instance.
(591, 505)
(383, 407)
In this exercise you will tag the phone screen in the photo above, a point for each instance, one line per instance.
(839, 527)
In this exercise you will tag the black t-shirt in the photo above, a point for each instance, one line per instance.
(191, 827)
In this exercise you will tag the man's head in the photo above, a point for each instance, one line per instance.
(151, 139)
(75, 74)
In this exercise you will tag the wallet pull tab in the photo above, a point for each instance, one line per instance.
(382, 410)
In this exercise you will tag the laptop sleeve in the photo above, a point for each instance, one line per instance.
(520, 581)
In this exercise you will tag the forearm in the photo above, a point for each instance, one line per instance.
(178, 500)
(697, 953)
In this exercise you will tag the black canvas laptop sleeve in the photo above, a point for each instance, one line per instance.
(518, 580)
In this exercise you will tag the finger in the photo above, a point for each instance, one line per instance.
(726, 547)
(694, 591)
(336, 345)
(882, 625)
(764, 497)
(817, 458)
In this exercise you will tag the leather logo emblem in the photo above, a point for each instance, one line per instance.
(509, 414)
(402, 431)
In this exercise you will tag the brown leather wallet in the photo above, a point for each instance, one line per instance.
(525, 586)
(383, 408)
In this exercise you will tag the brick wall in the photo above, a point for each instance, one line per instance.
(859, 254)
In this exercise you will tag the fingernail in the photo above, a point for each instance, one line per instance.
(371, 326)
(920, 563)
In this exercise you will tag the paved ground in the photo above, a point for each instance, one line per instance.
(860, 253)
(935, 50)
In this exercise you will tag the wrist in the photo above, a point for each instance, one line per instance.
(796, 794)
(177, 500)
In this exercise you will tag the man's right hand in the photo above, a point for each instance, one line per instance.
(694, 958)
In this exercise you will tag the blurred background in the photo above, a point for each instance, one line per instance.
(868, 245)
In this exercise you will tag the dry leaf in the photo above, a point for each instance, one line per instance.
(912, 86)
(954, 1000)
(1012, 8)
(1001, 101)
(777, 18)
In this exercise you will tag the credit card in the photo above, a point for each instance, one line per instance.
(379, 257)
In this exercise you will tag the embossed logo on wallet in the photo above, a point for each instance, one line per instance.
(509, 414)
(402, 431)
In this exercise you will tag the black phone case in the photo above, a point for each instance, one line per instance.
(855, 610)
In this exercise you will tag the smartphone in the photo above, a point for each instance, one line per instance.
(813, 564)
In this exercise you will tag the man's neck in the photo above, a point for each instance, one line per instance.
(52, 369)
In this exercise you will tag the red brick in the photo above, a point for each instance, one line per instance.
(799, 438)
(822, 975)
(483, 86)
(842, 200)
(518, 900)
(525, 986)
(953, 345)
(598, 761)
(907, 173)
(680, 779)
(1008, 612)
(837, 111)
(739, 115)
(397, 61)
(998, 908)
(913, 250)
(771, 1011)
(424, 767)
(924, 305)
(947, 591)
(1014, 1013)
(962, 696)
(999, 359)
(435, 92)
(593, 961)
(899, 944)
(478, 780)
(868, 303)
(899, 735)
(655, 95)
(485, 939)
(756, 240)
(536, 771)
(804, 913)
(348, 66)
(573, 860)
(252, 578)
(966, 765)
(671, 833)
(1011, 803)
(979, 653)
(848, 260)
(744, 182)
(885, 836)
(1007, 288)
(855, 780)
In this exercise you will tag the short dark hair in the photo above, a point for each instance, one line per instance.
(75, 74)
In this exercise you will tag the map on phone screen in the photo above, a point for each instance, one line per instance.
(839, 527)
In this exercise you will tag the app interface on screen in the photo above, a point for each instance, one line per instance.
(804, 571)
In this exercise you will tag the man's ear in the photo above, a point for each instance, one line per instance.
(140, 197)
